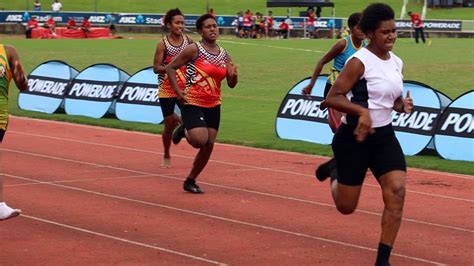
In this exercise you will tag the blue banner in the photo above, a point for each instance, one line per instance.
(299, 116)
(102, 19)
(454, 137)
(92, 93)
(47, 84)
(138, 99)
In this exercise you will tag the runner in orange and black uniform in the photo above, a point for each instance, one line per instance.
(207, 65)
(10, 68)
(167, 49)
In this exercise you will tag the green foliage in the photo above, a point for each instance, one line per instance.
(227, 7)
(269, 68)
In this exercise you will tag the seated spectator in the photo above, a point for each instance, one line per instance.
(86, 25)
(283, 31)
(51, 25)
(71, 24)
(37, 5)
(32, 23)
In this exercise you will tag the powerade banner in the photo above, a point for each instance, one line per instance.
(47, 85)
(138, 99)
(416, 129)
(454, 137)
(438, 25)
(299, 116)
(92, 93)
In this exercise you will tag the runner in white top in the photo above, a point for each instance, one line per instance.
(367, 90)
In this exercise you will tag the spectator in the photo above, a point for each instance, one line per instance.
(56, 6)
(283, 31)
(51, 25)
(71, 23)
(37, 5)
(86, 25)
(211, 12)
(269, 24)
(417, 24)
(310, 23)
(32, 23)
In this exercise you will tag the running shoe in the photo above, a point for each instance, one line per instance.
(326, 170)
(191, 186)
(178, 134)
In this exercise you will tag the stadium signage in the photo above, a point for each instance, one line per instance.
(303, 108)
(92, 93)
(88, 89)
(138, 100)
(434, 25)
(420, 121)
(299, 116)
(454, 136)
(139, 93)
(47, 84)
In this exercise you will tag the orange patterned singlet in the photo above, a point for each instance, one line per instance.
(171, 51)
(205, 73)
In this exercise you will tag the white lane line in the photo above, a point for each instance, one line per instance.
(229, 220)
(272, 46)
(233, 164)
(215, 185)
(85, 180)
(218, 144)
(122, 239)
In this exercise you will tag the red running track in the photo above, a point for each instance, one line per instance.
(97, 195)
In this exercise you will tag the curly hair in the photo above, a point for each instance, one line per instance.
(201, 20)
(354, 19)
(373, 15)
(170, 14)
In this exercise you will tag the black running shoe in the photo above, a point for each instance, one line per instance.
(190, 186)
(178, 134)
(326, 170)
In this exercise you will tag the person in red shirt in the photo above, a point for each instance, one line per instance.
(51, 25)
(284, 27)
(86, 26)
(71, 24)
(32, 23)
(418, 25)
(269, 24)
(207, 64)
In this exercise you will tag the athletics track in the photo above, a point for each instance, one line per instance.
(93, 195)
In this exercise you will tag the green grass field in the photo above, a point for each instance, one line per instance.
(228, 7)
(269, 68)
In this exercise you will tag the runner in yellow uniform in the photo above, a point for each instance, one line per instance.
(10, 68)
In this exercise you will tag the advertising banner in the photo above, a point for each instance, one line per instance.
(101, 19)
(47, 85)
(454, 136)
(138, 100)
(92, 92)
(299, 116)
(415, 130)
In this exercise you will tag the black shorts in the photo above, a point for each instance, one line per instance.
(168, 104)
(2, 134)
(195, 116)
(381, 152)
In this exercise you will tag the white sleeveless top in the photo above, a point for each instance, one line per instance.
(378, 88)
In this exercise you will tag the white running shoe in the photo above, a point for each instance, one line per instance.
(7, 212)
